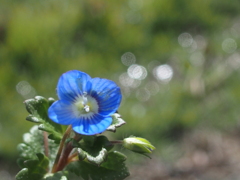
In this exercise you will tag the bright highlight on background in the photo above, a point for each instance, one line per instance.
(137, 72)
(25, 89)
(163, 73)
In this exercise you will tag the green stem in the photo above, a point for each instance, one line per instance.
(116, 142)
(46, 145)
(59, 153)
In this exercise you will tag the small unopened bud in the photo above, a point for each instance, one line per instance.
(137, 144)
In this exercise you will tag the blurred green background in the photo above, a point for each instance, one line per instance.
(177, 62)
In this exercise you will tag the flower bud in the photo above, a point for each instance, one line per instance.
(137, 144)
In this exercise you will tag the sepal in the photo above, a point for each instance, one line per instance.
(117, 121)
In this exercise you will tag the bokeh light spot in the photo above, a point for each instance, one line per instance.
(127, 81)
(137, 72)
(229, 45)
(128, 59)
(25, 89)
(163, 73)
(185, 40)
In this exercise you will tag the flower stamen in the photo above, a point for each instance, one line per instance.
(84, 98)
(85, 105)
(86, 108)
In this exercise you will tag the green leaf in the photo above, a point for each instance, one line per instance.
(117, 121)
(22, 175)
(34, 168)
(57, 176)
(94, 149)
(33, 143)
(114, 168)
(38, 109)
(93, 146)
(97, 160)
(89, 140)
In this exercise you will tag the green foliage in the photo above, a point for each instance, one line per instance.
(113, 168)
(34, 169)
(96, 144)
(33, 143)
(37, 108)
(92, 157)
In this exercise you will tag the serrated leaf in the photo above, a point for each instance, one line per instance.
(97, 160)
(34, 168)
(89, 140)
(33, 143)
(38, 109)
(22, 175)
(94, 149)
(114, 168)
(95, 145)
(56, 176)
(117, 121)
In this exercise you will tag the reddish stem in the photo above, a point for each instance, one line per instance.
(64, 151)
(59, 154)
(73, 157)
(64, 157)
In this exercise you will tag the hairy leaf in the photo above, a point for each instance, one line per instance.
(94, 145)
(33, 143)
(61, 175)
(117, 121)
(34, 168)
(113, 168)
(38, 109)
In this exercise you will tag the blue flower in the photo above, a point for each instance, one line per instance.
(85, 103)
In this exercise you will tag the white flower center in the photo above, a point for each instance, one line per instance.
(85, 106)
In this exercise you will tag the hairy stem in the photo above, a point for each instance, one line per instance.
(63, 155)
(59, 153)
(45, 142)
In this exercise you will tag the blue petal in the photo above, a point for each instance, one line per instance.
(61, 112)
(108, 95)
(72, 84)
(93, 125)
